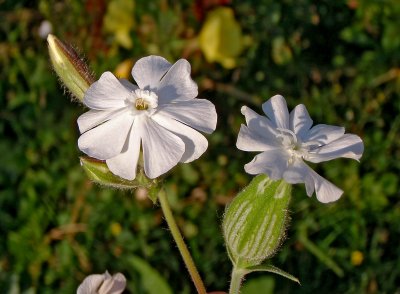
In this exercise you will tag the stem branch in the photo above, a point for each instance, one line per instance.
(187, 258)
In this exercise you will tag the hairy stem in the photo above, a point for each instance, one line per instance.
(187, 258)
(236, 280)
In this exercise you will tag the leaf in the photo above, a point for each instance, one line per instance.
(151, 280)
(272, 269)
(324, 258)
(263, 284)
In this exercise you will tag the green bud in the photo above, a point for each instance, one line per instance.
(254, 223)
(72, 70)
(98, 172)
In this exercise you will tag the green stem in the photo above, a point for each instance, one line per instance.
(187, 258)
(236, 280)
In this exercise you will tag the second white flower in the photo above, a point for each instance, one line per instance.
(286, 140)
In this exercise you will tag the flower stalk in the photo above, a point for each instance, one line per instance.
(236, 280)
(187, 258)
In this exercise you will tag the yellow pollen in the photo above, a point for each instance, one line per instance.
(141, 104)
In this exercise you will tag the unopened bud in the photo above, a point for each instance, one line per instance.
(71, 69)
(254, 223)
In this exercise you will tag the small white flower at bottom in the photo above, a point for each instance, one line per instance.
(103, 284)
(286, 140)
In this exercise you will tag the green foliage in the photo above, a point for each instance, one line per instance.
(264, 284)
(339, 58)
(152, 281)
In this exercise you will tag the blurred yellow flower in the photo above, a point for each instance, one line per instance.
(357, 258)
(119, 21)
(123, 70)
(221, 38)
(115, 228)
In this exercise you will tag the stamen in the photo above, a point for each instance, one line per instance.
(293, 145)
(141, 104)
(143, 100)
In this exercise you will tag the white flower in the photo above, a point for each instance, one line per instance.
(287, 139)
(158, 116)
(103, 284)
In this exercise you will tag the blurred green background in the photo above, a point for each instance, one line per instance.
(340, 58)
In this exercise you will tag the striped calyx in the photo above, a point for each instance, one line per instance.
(254, 223)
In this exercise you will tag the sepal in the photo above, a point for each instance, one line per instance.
(70, 68)
(255, 222)
(98, 172)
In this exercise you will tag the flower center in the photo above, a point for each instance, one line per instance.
(144, 100)
(292, 144)
(141, 104)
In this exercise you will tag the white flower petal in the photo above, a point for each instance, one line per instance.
(300, 121)
(148, 71)
(325, 191)
(106, 93)
(94, 118)
(297, 173)
(260, 125)
(90, 284)
(177, 85)
(347, 146)
(113, 285)
(119, 284)
(251, 141)
(106, 140)
(128, 85)
(195, 143)
(323, 134)
(105, 286)
(271, 162)
(196, 113)
(125, 163)
(277, 111)
(162, 150)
